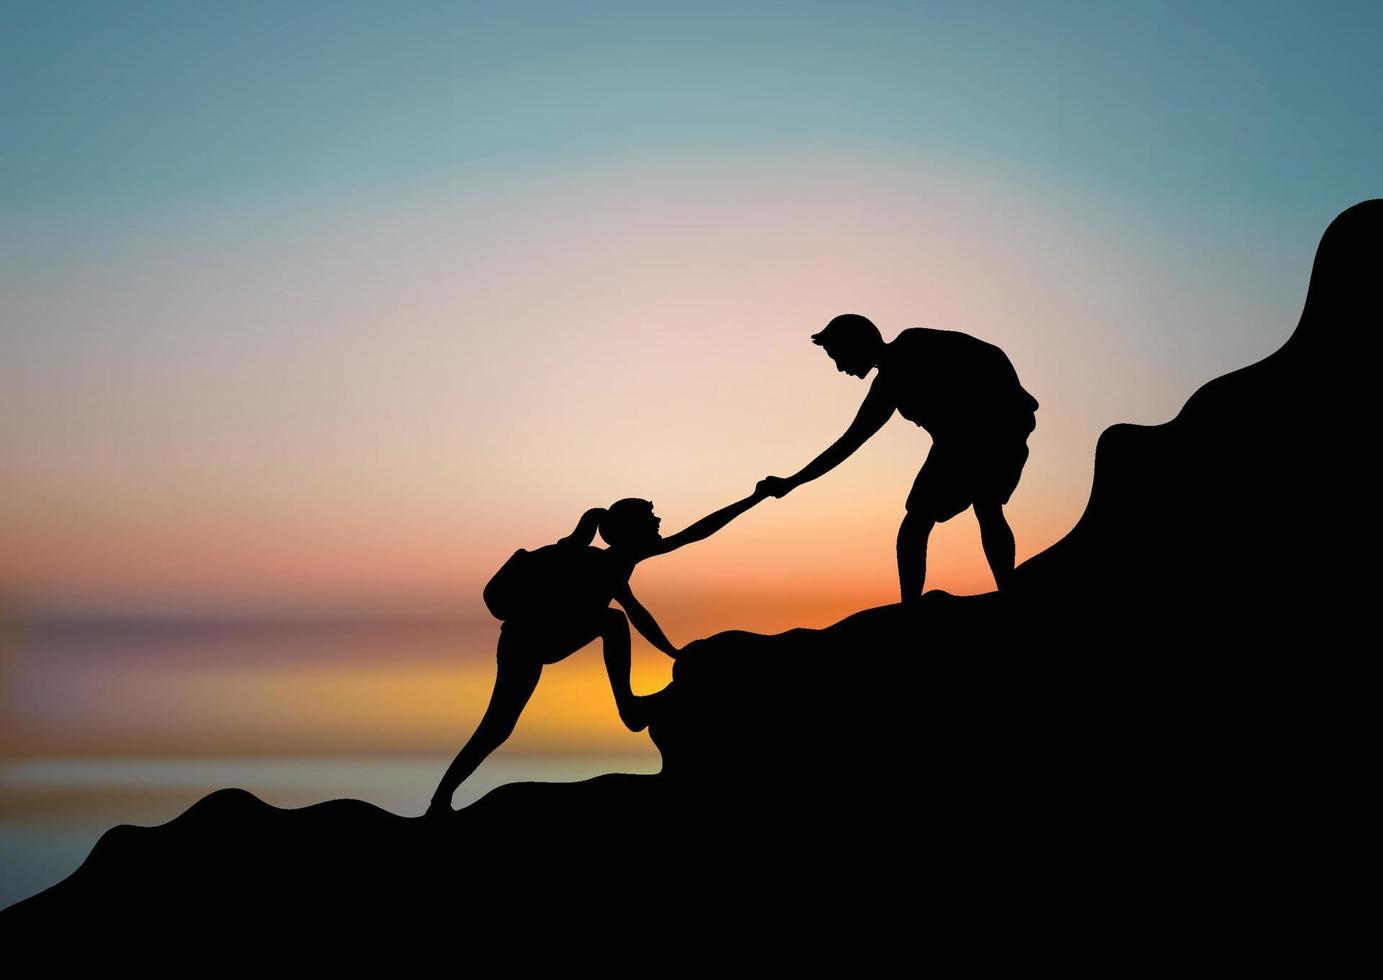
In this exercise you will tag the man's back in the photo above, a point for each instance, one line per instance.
(953, 384)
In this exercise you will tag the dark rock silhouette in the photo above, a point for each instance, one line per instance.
(1156, 734)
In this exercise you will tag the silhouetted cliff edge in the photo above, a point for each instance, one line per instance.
(1165, 712)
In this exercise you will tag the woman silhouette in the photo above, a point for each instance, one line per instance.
(549, 628)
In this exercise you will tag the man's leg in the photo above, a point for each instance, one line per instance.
(934, 498)
(999, 473)
(997, 538)
(614, 637)
(912, 554)
(516, 677)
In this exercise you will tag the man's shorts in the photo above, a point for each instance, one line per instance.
(959, 473)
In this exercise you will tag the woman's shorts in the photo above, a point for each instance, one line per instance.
(558, 634)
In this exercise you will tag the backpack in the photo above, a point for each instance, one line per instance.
(531, 580)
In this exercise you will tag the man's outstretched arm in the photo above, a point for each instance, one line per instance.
(643, 621)
(708, 525)
(877, 409)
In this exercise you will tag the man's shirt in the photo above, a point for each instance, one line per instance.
(953, 385)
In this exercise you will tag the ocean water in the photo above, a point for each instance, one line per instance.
(104, 724)
(52, 811)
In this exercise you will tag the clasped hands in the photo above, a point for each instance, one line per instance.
(773, 486)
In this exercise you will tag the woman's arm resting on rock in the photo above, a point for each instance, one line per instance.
(644, 622)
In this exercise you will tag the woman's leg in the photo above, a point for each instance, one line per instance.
(518, 670)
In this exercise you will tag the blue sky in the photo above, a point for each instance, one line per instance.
(1241, 107)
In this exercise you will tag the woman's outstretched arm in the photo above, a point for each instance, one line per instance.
(708, 525)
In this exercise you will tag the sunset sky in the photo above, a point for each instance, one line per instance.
(334, 305)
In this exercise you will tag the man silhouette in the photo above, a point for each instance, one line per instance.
(965, 393)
